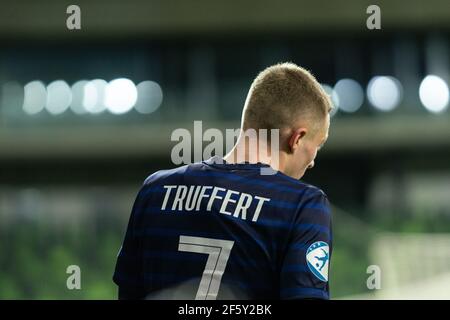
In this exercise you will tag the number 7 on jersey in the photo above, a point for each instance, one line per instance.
(219, 252)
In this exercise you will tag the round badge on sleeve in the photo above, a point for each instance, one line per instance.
(317, 257)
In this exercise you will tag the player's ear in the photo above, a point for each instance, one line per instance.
(296, 138)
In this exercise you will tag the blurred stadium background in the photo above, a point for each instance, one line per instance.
(72, 159)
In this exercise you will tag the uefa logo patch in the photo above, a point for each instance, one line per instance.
(317, 257)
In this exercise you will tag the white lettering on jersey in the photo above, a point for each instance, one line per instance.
(196, 198)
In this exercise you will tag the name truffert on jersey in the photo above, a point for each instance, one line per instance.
(190, 198)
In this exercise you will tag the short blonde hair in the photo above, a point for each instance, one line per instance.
(281, 95)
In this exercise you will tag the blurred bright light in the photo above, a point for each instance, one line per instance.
(350, 94)
(334, 98)
(150, 97)
(59, 97)
(78, 97)
(384, 93)
(35, 97)
(434, 94)
(94, 95)
(120, 96)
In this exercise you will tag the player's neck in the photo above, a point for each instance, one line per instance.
(253, 151)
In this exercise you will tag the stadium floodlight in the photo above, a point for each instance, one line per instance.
(35, 97)
(434, 94)
(77, 97)
(150, 97)
(384, 93)
(94, 93)
(59, 97)
(350, 94)
(334, 98)
(120, 96)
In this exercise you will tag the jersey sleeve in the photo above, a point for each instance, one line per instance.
(304, 271)
(128, 274)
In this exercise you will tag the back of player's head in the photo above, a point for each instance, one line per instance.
(281, 96)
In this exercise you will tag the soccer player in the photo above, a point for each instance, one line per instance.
(224, 228)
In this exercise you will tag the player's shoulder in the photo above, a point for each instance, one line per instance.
(162, 175)
(311, 202)
(308, 190)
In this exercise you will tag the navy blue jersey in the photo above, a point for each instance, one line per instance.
(214, 230)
